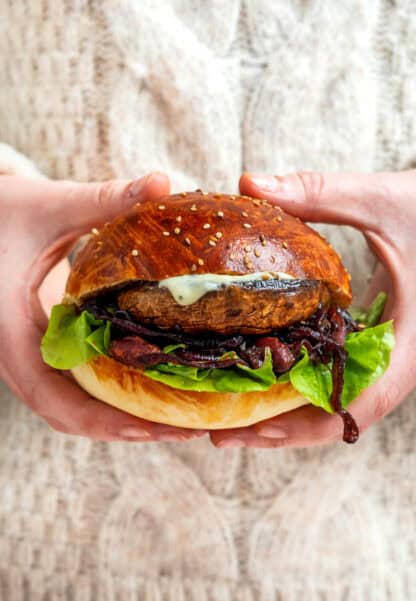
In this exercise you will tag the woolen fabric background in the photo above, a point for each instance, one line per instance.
(203, 90)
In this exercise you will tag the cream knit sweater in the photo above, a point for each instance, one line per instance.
(203, 89)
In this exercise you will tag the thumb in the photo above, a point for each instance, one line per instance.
(86, 205)
(359, 200)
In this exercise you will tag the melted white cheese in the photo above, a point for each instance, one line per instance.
(188, 289)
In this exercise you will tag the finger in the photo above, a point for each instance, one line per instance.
(88, 205)
(348, 199)
(69, 409)
(73, 208)
(363, 201)
(83, 206)
(62, 207)
(304, 427)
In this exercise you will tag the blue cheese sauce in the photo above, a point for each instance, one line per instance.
(188, 289)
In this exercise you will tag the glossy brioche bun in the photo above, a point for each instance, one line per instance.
(127, 389)
(200, 233)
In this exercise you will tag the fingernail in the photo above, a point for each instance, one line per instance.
(138, 185)
(172, 437)
(271, 432)
(197, 433)
(265, 182)
(230, 443)
(54, 424)
(133, 432)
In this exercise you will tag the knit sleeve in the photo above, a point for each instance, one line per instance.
(13, 162)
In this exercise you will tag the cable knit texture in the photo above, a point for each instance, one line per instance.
(203, 90)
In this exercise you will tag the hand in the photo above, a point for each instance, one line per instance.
(383, 207)
(39, 222)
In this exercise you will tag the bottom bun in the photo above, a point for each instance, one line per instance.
(128, 389)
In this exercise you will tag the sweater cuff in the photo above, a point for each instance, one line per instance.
(13, 162)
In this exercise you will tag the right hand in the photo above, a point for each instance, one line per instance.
(39, 222)
(383, 207)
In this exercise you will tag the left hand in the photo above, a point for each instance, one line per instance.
(39, 222)
(383, 207)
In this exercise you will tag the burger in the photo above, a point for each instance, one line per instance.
(212, 311)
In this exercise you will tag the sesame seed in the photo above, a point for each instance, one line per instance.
(178, 218)
(244, 214)
(177, 230)
(95, 231)
(232, 197)
(217, 195)
(206, 226)
(134, 252)
(194, 208)
(161, 207)
(247, 248)
(231, 257)
(247, 225)
(257, 252)
(279, 218)
(246, 259)
(220, 214)
(265, 276)
(194, 267)
(218, 235)
(187, 241)
(166, 233)
(263, 242)
(183, 194)
(205, 193)
(212, 243)
(256, 202)
(285, 245)
(249, 265)
(200, 262)
(99, 243)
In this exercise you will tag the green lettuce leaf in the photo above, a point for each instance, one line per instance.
(314, 382)
(368, 358)
(232, 379)
(73, 339)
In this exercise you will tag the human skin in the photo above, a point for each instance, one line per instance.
(39, 222)
(383, 207)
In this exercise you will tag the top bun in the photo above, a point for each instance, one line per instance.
(198, 232)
